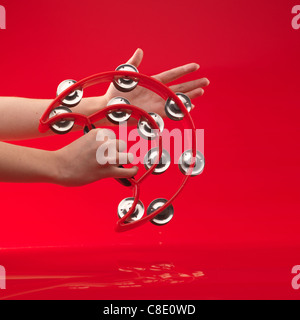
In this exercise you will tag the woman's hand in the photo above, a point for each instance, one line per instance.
(151, 102)
(79, 162)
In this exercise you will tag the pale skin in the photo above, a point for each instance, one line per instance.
(76, 164)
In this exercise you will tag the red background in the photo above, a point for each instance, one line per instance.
(241, 216)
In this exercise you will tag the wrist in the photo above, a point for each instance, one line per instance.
(88, 106)
(55, 167)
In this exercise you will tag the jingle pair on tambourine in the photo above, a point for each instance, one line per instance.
(60, 119)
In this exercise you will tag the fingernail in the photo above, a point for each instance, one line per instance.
(136, 168)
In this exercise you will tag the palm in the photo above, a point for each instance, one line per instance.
(140, 97)
(151, 102)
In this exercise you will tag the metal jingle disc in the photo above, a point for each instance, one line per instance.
(186, 160)
(124, 207)
(165, 216)
(61, 126)
(118, 116)
(145, 130)
(74, 97)
(126, 84)
(173, 111)
(164, 162)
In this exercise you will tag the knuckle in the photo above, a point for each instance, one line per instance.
(105, 134)
(111, 143)
(122, 145)
(181, 87)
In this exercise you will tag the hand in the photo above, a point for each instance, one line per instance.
(77, 163)
(151, 102)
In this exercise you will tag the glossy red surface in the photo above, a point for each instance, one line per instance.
(149, 272)
(235, 233)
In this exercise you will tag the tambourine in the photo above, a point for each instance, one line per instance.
(60, 119)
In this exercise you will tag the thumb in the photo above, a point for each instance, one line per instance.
(137, 58)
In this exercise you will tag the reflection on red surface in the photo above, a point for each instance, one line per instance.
(52, 271)
(158, 272)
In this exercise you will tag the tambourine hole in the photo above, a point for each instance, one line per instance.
(74, 98)
(145, 130)
(125, 84)
(61, 126)
(165, 216)
(173, 111)
(124, 207)
(86, 129)
(118, 116)
(164, 162)
(184, 165)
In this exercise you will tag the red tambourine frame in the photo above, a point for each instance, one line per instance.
(87, 121)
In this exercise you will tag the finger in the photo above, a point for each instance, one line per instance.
(173, 74)
(120, 158)
(137, 58)
(118, 145)
(195, 93)
(103, 135)
(109, 149)
(107, 153)
(190, 86)
(116, 172)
